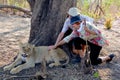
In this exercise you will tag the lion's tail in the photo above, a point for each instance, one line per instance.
(67, 61)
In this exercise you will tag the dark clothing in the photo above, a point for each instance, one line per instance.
(70, 44)
(68, 32)
(78, 42)
(94, 50)
(94, 53)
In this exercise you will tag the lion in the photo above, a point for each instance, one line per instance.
(36, 55)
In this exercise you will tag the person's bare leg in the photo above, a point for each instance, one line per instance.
(81, 53)
(84, 48)
(75, 51)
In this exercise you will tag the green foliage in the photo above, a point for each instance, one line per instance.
(108, 23)
(110, 7)
(107, 3)
(111, 2)
(19, 3)
(96, 75)
(10, 2)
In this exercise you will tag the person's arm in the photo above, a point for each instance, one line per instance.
(59, 43)
(60, 36)
(64, 29)
(65, 40)
(89, 31)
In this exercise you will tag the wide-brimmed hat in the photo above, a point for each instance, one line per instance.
(75, 19)
(73, 11)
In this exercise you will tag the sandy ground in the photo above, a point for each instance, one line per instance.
(14, 29)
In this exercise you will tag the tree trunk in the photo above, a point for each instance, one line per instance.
(47, 20)
(31, 3)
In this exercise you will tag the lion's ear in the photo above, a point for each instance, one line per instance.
(32, 45)
(20, 44)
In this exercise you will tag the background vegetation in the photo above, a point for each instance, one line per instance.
(19, 3)
(111, 8)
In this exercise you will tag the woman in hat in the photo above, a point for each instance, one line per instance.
(67, 27)
(81, 34)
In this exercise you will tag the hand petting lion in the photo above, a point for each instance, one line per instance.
(36, 55)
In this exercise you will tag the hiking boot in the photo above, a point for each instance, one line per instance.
(111, 57)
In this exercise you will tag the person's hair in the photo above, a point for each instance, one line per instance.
(67, 15)
(78, 23)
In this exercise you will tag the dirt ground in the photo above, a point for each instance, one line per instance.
(14, 29)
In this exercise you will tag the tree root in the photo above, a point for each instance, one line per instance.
(15, 7)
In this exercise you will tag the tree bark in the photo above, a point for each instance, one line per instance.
(47, 20)
(31, 3)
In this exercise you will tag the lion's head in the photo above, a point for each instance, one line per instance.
(26, 48)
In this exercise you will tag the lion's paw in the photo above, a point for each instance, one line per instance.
(54, 64)
(51, 65)
(14, 71)
(41, 74)
(7, 68)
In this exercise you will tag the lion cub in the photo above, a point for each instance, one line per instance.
(37, 55)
